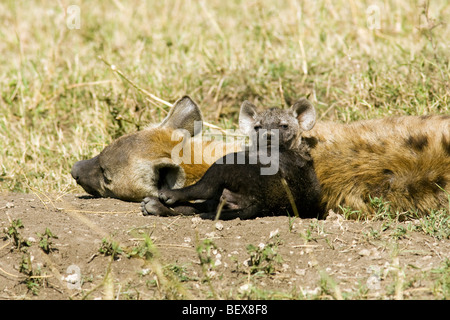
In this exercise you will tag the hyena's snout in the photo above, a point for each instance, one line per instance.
(87, 174)
(76, 169)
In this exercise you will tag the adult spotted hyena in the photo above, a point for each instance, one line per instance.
(405, 161)
(137, 165)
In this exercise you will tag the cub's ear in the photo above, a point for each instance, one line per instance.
(247, 117)
(305, 113)
(183, 115)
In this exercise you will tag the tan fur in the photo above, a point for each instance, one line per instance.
(134, 161)
(194, 171)
(402, 160)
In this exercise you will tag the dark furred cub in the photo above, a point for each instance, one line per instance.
(274, 175)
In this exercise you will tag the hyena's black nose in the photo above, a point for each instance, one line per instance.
(88, 174)
(75, 172)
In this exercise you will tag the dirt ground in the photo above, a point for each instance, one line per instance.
(101, 253)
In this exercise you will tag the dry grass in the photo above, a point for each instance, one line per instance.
(59, 103)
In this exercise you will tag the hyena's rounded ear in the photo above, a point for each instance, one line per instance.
(305, 113)
(247, 117)
(184, 115)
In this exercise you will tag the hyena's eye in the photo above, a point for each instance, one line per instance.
(107, 181)
(105, 175)
(284, 126)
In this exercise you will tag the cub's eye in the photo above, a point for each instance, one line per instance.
(284, 126)
(257, 127)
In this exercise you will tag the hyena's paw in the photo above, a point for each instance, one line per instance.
(168, 197)
(152, 206)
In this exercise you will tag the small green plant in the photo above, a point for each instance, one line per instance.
(45, 241)
(204, 252)
(372, 234)
(146, 249)
(179, 271)
(436, 224)
(382, 208)
(314, 226)
(110, 248)
(318, 226)
(350, 214)
(307, 235)
(291, 221)
(442, 283)
(328, 287)
(264, 259)
(12, 233)
(33, 278)
(399, 232)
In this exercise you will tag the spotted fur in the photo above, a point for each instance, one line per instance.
(405, 161)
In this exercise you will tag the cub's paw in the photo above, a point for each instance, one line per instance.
(152, 206)
(168, 197)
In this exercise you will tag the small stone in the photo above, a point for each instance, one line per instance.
(196, 221)
(364, 253)
(274, 233)
(245, 288)
(9, 205)
(312, 263)
(210, 235)
(300, 272)
(219, 226)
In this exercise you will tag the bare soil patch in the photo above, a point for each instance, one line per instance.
(186, 257)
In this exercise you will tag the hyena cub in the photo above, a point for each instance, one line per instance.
(244, 184)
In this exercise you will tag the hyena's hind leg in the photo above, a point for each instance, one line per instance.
(249, 212)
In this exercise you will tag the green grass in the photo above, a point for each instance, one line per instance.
(59, 103)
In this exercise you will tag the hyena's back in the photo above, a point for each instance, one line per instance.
(404, 160)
